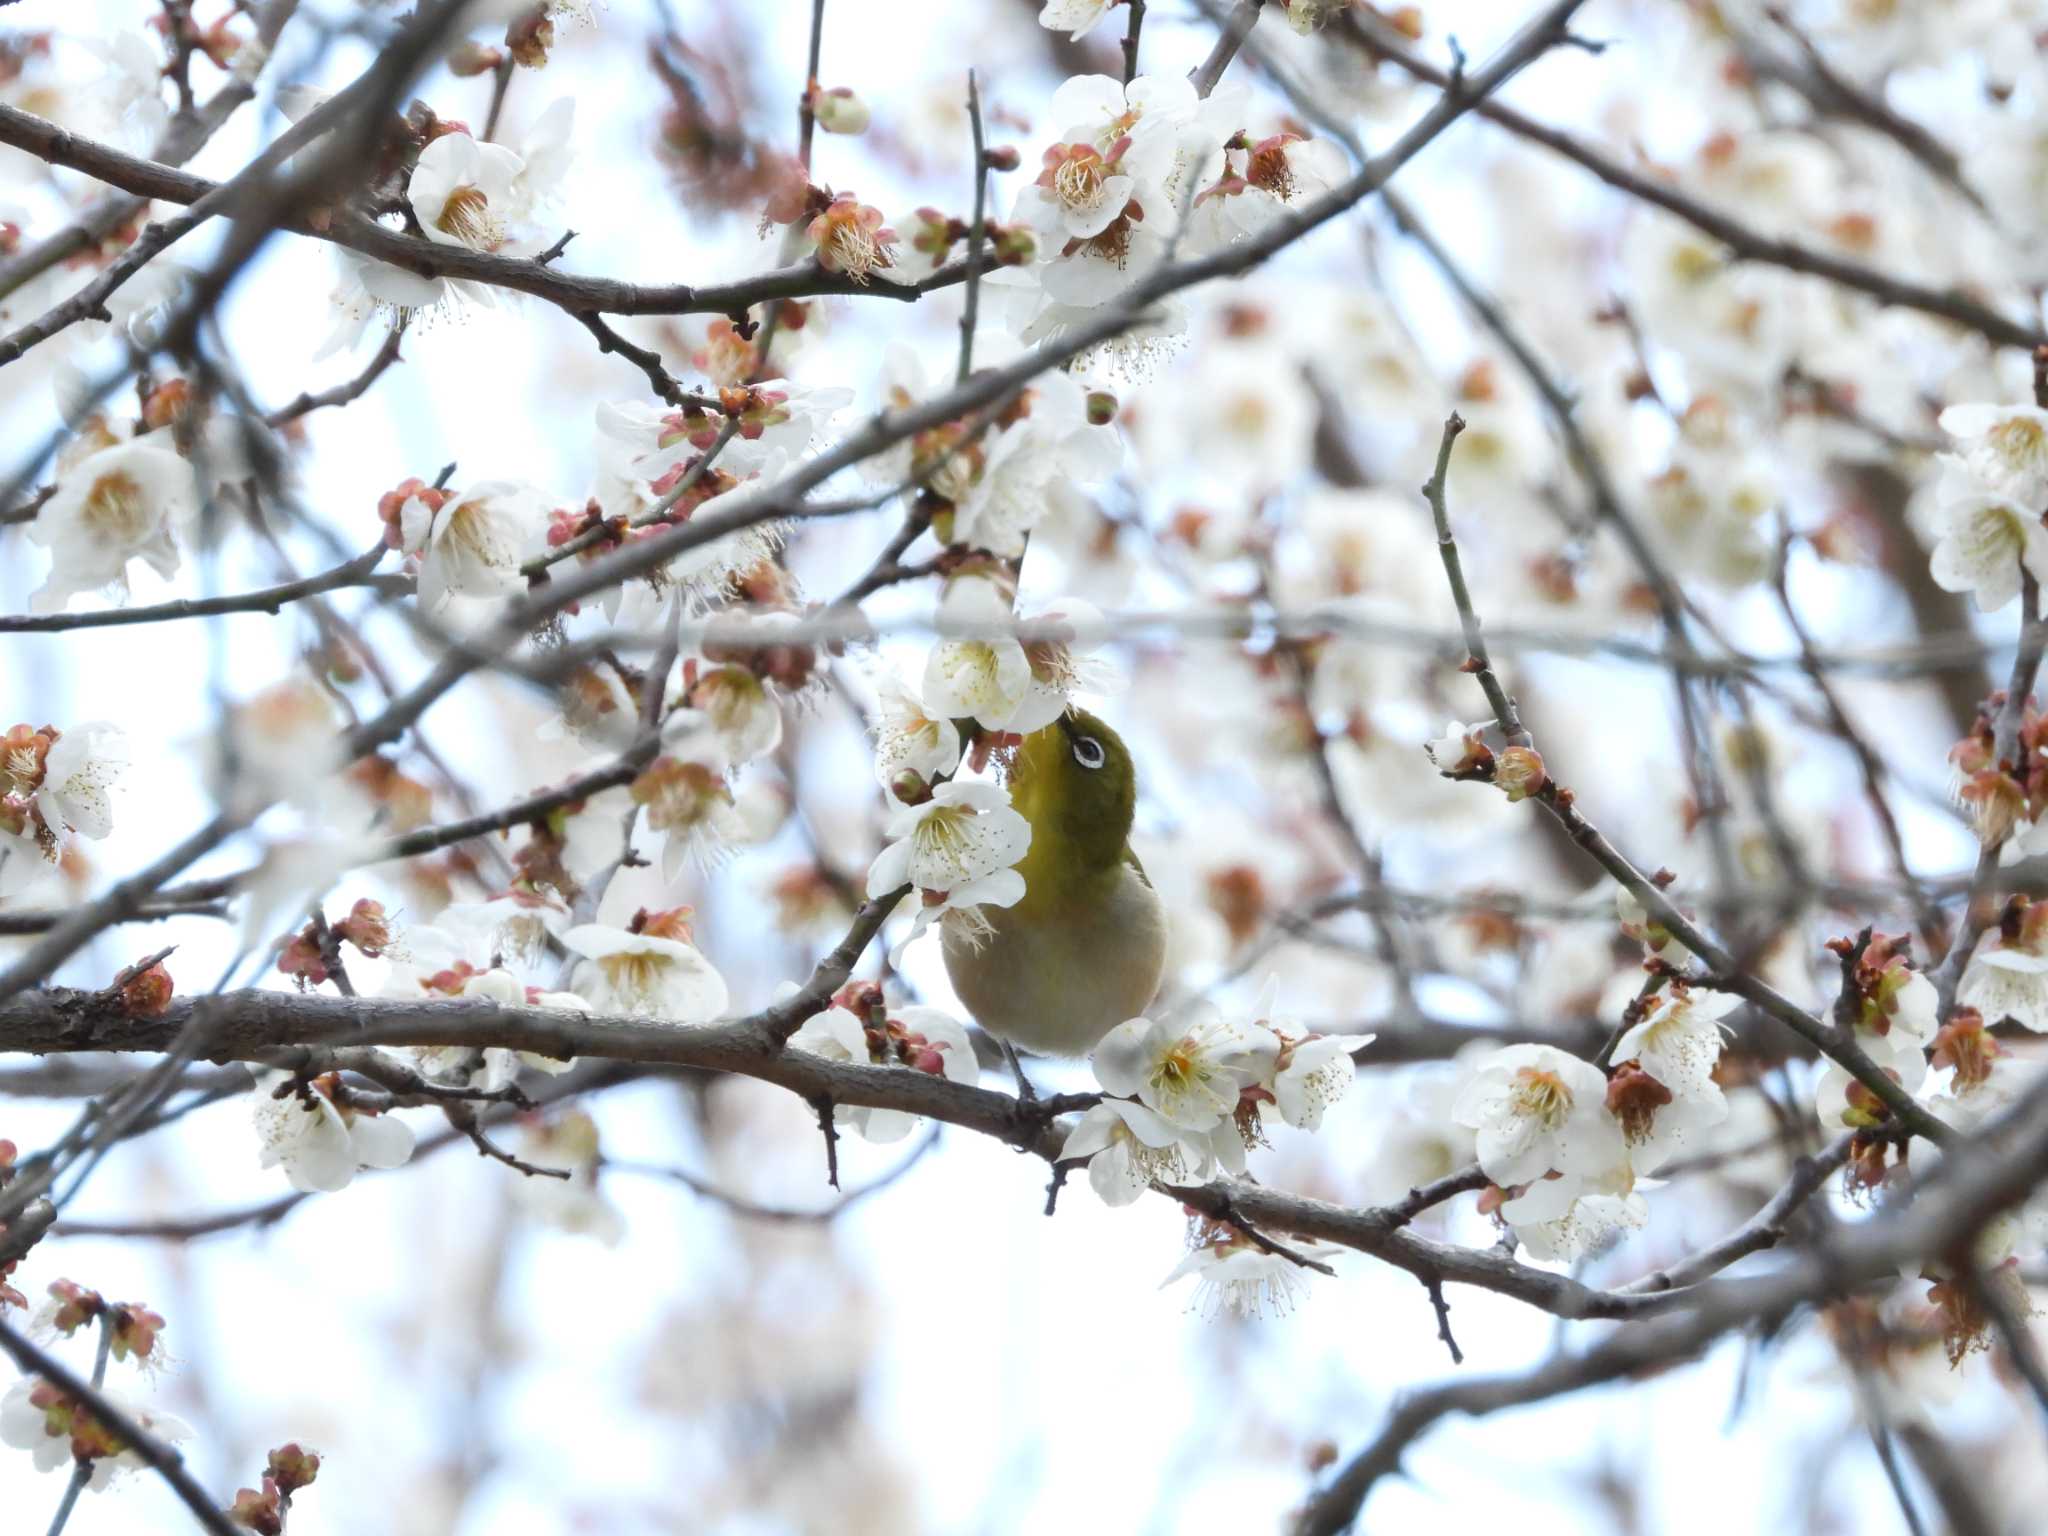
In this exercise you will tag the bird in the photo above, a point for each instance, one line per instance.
(1083, 949)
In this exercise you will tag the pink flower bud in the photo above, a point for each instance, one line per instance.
(367, 927)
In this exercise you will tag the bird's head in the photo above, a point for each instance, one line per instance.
(1074, 782)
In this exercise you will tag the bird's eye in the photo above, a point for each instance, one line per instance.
(1088, 752)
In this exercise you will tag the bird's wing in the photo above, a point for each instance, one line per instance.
(1131, 858)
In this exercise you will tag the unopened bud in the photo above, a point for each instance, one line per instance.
(259, 1509)
(839, 111)
(294, 1467)
(1519, 771)
(910, 787)
(529, 38)
(1003, 157)
(470, 59)
(863, 999)
(1015, 246)
(1102, 407)
(147, 994)
(166, 403)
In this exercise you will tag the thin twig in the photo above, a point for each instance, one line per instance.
(1476, 659)
(807, 112)
(359, 572)
(1236, 28)
(977, 234)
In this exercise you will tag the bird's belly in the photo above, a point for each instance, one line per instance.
(1056, 985)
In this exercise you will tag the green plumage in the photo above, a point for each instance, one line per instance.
(1084, 948)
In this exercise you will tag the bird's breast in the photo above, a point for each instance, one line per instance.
(1056, 978)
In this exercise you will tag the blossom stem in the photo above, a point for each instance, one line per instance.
(1477, 661)
(977, 233)
(82, 1473)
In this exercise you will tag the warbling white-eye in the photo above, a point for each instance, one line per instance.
(1084, 948)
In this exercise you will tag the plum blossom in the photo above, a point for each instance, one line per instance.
(2007, 977)
(1165, 122)
(909, 738)
(435, 965)
(1460, 750)
(850, 238)
(958, 849)
(1308, 16)
(2002, 448)
(473, 544)
(1538, 1110)
(1233, 1274)
(366, 288)
(1312, 1073)
(518, 922)
(925, 238)
(922, 1039)
(1081, 190)
(1678, 1039)
(463, 192)
(544, 160)
(1127, 1146)
(1108, 191)
(282, 742)
(1663, 1091)
(1894, 1022)
(318, 1138)
(40, 1417)
(1076, 18)
(1031, 469)
(1190, 1072)
(689, 800)
(1062, 665)
(1587, 1228)
(985, 675)
(651, 969)
(120, 504)
(1419, 1141)
(1259, 183)
(1986, 540)
(54, 784)
(735, 710)
(774, 422)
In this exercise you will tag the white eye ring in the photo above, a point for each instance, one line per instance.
(1088, 752)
